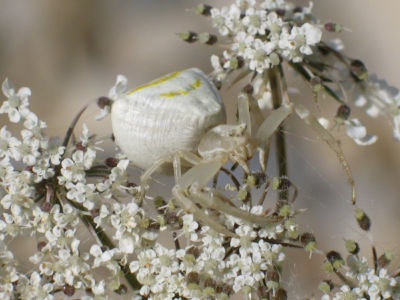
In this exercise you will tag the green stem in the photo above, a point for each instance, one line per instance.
(280, 145)
(72, 126)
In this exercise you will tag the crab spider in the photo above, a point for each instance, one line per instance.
(180, 119)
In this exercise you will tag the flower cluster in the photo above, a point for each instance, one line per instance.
(212, 267)
(263, 34)
(32, 206)
(77, 188)
(260, 35)
(379, 98)
(98, 233)
(364, 281)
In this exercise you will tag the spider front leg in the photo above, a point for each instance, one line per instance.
(213, 199)
(175, 159)
(147, 175)
(191, 189)
(199, 175)
(189, 206)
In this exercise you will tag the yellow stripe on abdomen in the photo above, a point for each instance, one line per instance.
(156, 82)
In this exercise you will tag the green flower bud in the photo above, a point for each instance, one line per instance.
(242, 194)
(251, 180)
(358, 69)
(352, 246)
(385, 259)
(188, 36)
(207, 38)
(363, 220)
(325, 286)
(335, 259)
(203, 9)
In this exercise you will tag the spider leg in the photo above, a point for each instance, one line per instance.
(272, 122)
(190, 157)
(200, 174)
(242, 163)
(198, 213)
(262, 157)
(218, 201)
(327, 137)
(176, 163)
(244, 112)
(147, 174)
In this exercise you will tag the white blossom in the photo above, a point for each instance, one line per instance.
(357, 131)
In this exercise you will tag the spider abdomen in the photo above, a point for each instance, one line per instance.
(167, 115)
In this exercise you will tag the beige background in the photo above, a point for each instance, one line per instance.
(69, 53)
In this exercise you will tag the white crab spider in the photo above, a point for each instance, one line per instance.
(179, 119)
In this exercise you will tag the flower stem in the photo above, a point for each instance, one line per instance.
(280, 145)
(72, 126)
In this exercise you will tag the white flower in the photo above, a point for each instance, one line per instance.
(119, 88)
(379, 98)
(16, 101)
(357, 131)
(126, 244)
(226, 19)
(312, 33)
(255, 20)
(189, 227)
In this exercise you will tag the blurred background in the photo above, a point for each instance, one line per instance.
(69, 53)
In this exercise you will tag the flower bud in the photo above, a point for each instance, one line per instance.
(263, 292)
(89, 292)
(298, 9)
(352, 246)
(103, 101)
(272, 275)
(385, 259)
(236, 62)
(358, 69)
(203, 9)
(280, 295)
(343, 113)
(95, 212)
(335, 259)
(227, 289)
(251, 180)
(193, 251)
(69, 290)
(308, 241)
(316, 84)
(207, 38)
(29, 169)
(41, 245)
(46, 206)
(159, 202)
(333, 27)
(121, 290)
(280, 183)
(280, 12)
(193, 277)
(362, 219)
(79, 146)
(242, 194)
(209, 282)
(154, 226)
(188, 36)
(326, 286)
(111, 162)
